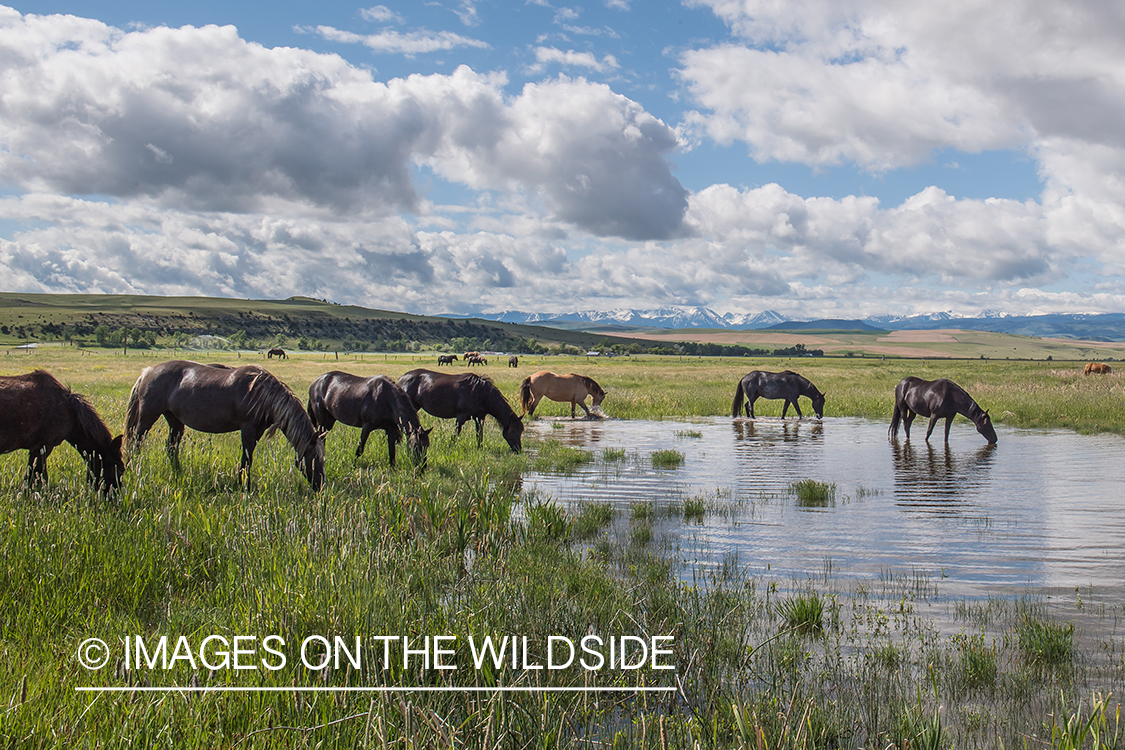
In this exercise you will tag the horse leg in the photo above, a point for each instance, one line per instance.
(175, 437)
(363, 435)
(948, 424)
(933, 423)
(785, 408)
(572, 403)
(582, 403)
(534, 403)
(907, 420)
(750, 407)
(250, 437)
(480, 430)
(392, 440)
(460, 423)
(797, 408)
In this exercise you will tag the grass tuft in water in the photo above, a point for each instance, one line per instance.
(667, 459)
(553, 456)
(813, 494)
(694, 509)
(547, 521)
(1043, 642)
(591, 519)
(803, 613)
(689, 434)
(613, 454)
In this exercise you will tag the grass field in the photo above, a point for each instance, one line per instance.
(458, 550)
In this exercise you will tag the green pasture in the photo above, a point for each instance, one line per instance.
(461, 549)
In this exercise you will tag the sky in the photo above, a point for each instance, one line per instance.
(818, 158)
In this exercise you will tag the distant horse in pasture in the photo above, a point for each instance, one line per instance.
(463, 397)
(222, 399)
(39, 412)
(937, 399)
(279, 353)
(1098, 368)
(374, 403)
(472, 358)
(446, 359)
(787, 385)
(513, 361)
(573, 388)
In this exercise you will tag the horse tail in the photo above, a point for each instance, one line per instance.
(737, 405)
(895, 418)
(525, 395)
(133, 411)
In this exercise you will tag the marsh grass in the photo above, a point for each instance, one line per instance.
(803, 613)
(667, 459)
(455, 549)
(591, 519)
(689, 434)
(613, 455)
(813, 494)
(553, 456)
(694, 509)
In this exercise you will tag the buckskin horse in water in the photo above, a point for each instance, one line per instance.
(40, 412)
(937, 399)
(787, 385)
(222, 399)
(573, 388)
(463, 396)
(375, 403)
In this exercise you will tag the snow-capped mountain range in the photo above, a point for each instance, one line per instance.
(1103, 326)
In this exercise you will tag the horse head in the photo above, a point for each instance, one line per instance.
(597, 395)
(311, 463)
(984, 427)
(818, 405)
(106, 466)
(419, 441)
(512, 432)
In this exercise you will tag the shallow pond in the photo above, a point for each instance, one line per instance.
(1043, 512)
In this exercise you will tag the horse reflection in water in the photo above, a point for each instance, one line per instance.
(937, 476)
(785, 431)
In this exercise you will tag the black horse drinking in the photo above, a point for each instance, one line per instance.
(463, 397)
(787, 385)
(374, 403)
(937, 399)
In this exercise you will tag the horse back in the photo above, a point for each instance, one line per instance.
(36, 409)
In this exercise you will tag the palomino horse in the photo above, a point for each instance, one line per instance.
(513, 361)
(375, 403)
(1098, 368)
(40, 412)
(222, 399)
(937, 399)
(787, 385)
(463, 397)
(573, 388)
(446, 359)
(279, 353)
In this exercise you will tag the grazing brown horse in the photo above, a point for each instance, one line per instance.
(375, 403)
(38, 412)
(787, 385)
(513, 361)
(463, 397)
(937, 399)
(446, 359)
(279, 353)
(573, 388)
(474, 358)
(1098, 368)
(222, 399)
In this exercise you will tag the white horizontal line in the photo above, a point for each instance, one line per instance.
(360, 689)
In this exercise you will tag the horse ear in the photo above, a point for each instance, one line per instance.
(117, 441)
(427, 432)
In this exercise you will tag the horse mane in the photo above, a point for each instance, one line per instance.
(590, 383)
(92, 430)
(268, 395)
(405, 414)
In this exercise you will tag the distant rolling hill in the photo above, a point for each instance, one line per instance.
(828, 324)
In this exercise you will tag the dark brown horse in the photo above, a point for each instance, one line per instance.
(222, 399)
(446, 359)
(473, 358)
(513, 361)
(573, 388)
(38, 412)
(937, 399)
(375, 403)
(463, 397)
(787, 385)
(279, 353)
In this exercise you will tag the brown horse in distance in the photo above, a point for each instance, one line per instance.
(446, 359)
(211, 399)
(573, 388)
(279, 353)
(39, 412)
(513, 361)
(1098, 368)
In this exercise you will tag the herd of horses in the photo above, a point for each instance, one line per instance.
(40, 413)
